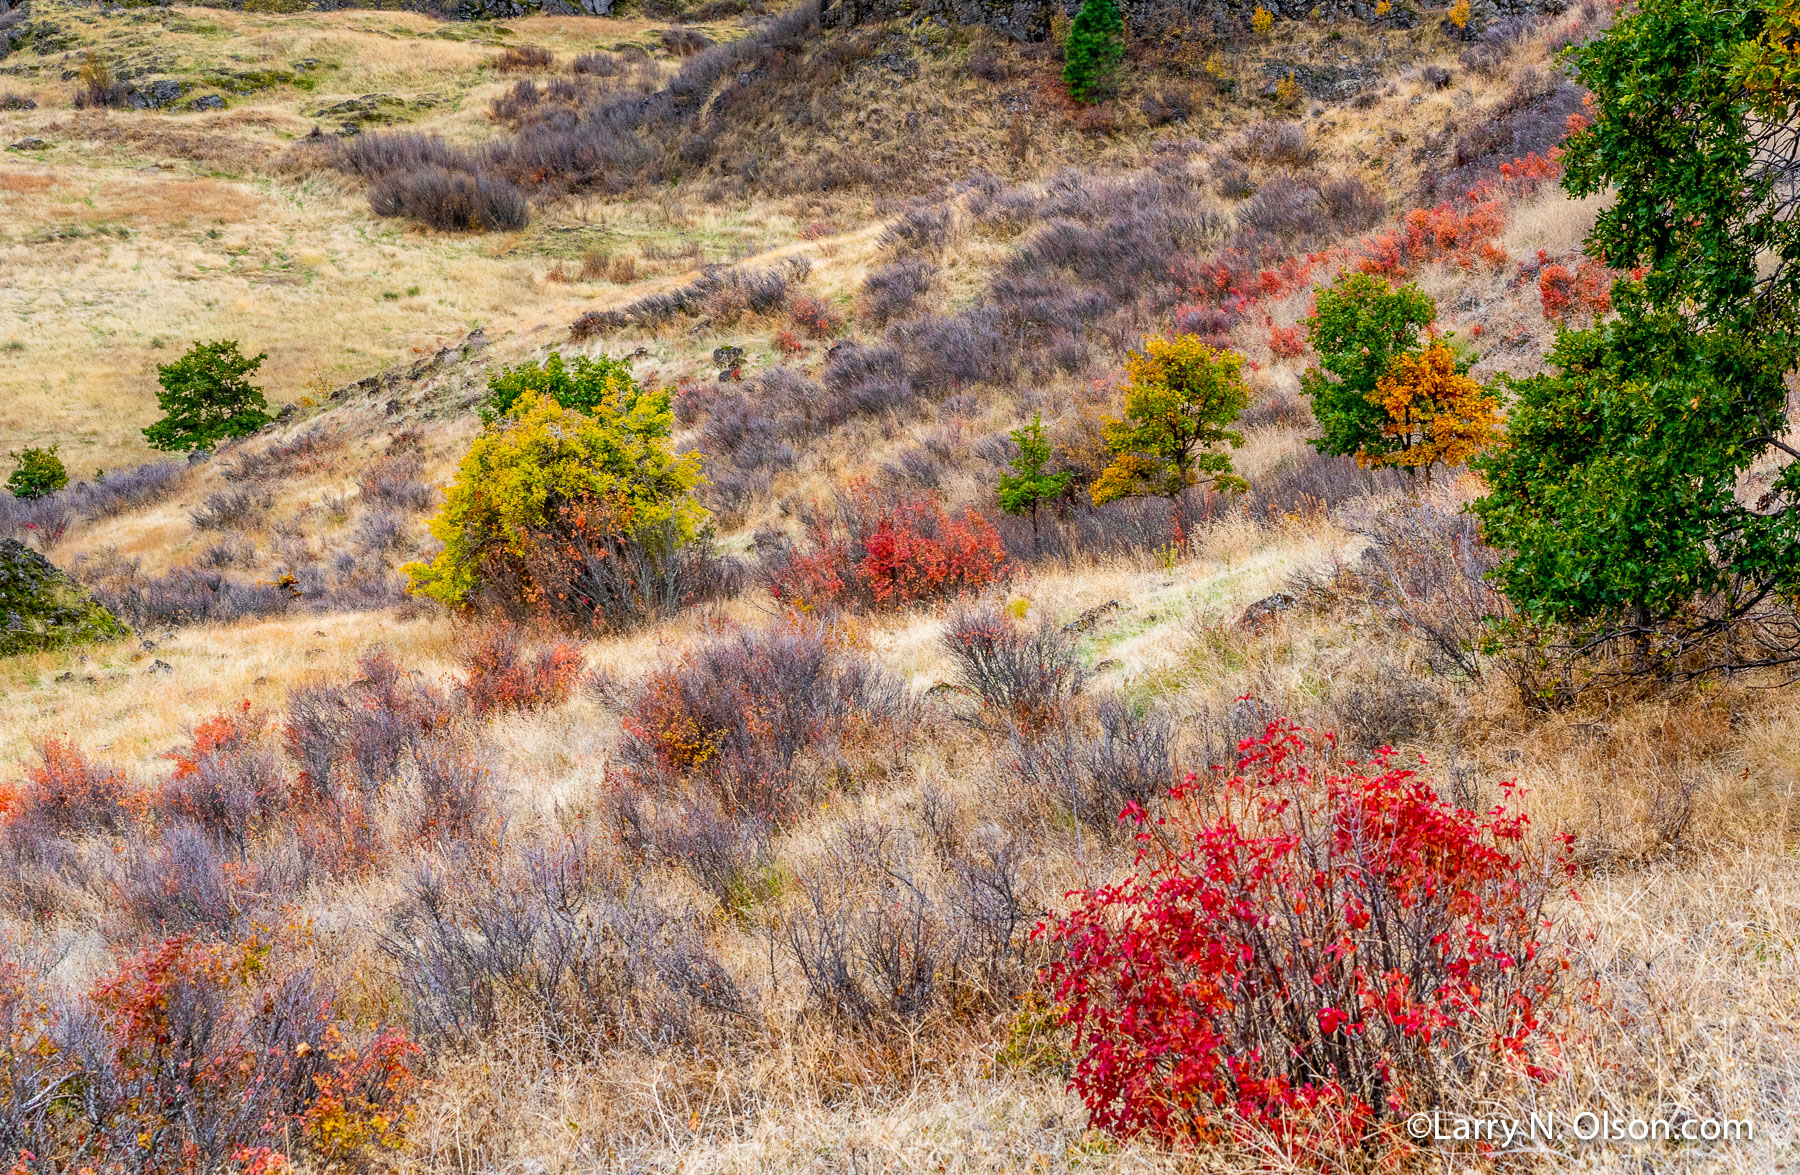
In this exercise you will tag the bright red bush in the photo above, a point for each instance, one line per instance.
(788, 343)
(891, 551)
(1311, 947)
(1287, 342)
(500, 674)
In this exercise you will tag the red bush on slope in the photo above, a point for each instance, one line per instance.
(1311, 948)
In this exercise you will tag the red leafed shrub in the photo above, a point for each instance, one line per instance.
(1463, 232)
(192, 1056)
(229, 780)
(1311, 947)
(889, 551)
(788, 344)
(817, 317)
(1587, 290)
(68, 794)
(500, 674)
(1287, 342)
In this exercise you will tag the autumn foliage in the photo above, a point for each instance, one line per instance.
(890, 551)
(190, 1054)
(1436, 414)
(1585, 290)
(1313, 948)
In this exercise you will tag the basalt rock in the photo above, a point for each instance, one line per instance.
(42, 608)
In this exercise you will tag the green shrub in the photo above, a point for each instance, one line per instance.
(546, 485)
(38, 472)
(207, 397)
(586, 385)
(1094, 49)
(1027, 487)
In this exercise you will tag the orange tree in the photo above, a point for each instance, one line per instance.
(1181, 395)
(1436, 414)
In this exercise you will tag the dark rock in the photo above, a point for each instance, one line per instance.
(1091, 617)
(158, 94)
(1264, 610)
(207, 102)
(43, 608)
(1328, 83)
(17, 102)
(29, 143)
(160, 666)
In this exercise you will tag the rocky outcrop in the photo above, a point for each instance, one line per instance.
(42, 608)
(1029, 20)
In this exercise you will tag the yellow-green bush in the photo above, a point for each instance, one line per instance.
(544, 474)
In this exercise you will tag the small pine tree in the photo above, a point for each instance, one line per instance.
(1093, 51)
(1027, 487)
(207, 397)
(38, 472)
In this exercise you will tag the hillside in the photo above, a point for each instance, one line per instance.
(748, 881)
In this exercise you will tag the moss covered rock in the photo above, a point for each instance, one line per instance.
(42, 608)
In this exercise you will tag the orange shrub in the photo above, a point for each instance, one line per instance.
(499, 674)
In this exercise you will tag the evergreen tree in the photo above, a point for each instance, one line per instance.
(207, 397)
(1094, 49)
(1024, 489)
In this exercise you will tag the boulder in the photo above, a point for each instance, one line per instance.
(43, 608)
(207, 102)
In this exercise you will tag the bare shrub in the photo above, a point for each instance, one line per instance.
(394, 482)
(919, 230)
(885, 941)
(228, 782)
(178, 885)
(598, 64)
(1387, 707)
(304, 452)
(1352, 204)
(1023, 677)
(187, 595)
(1167, 104)
(1124, 760)
(451, 201)
(353, 742)
(232, 509)
(524, 57)
(379, 531)
(1274, 142)
(1284, 208)
(685, 42)
(743, 717)
(557, 948)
